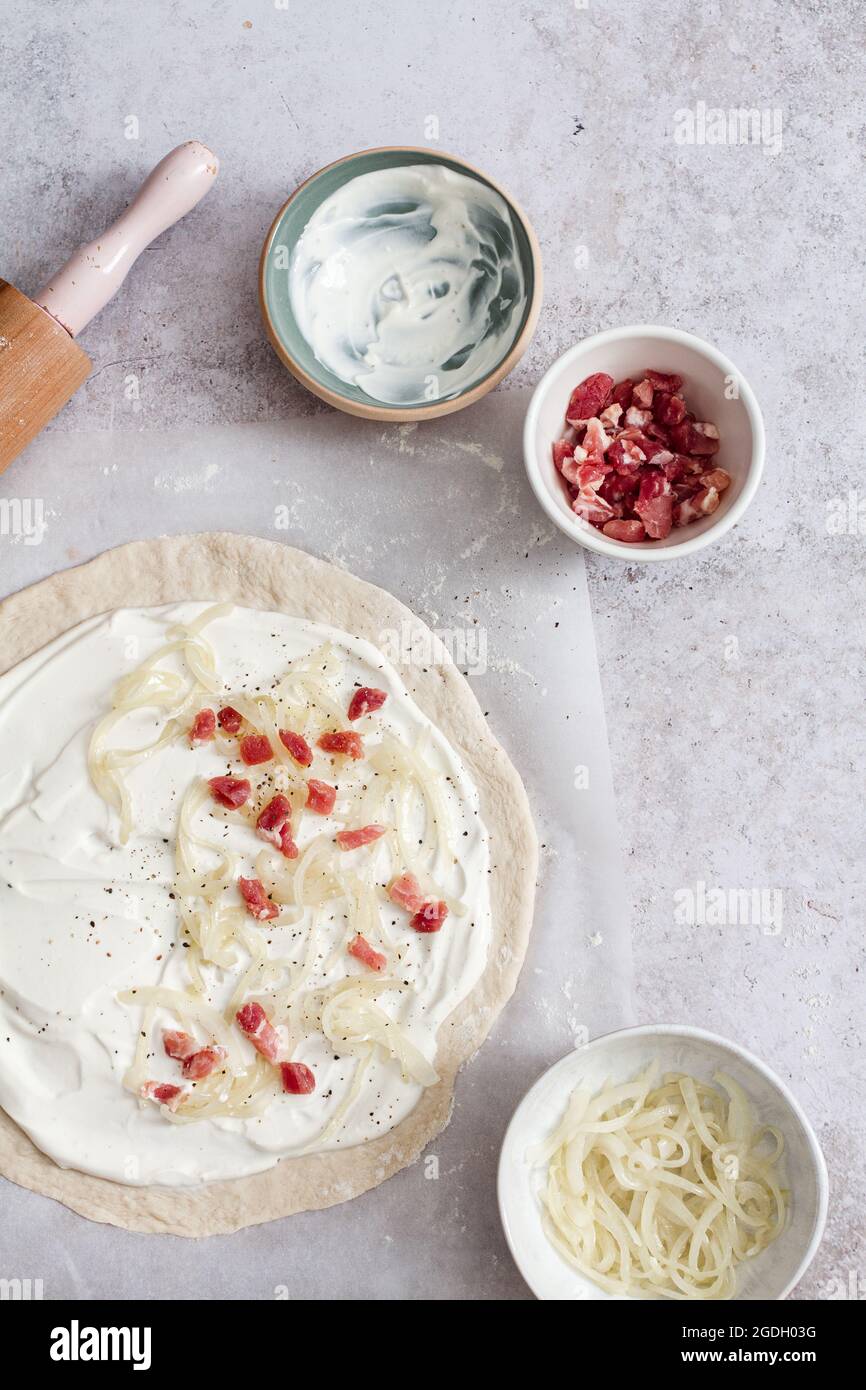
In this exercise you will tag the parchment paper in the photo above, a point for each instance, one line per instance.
(443, 517)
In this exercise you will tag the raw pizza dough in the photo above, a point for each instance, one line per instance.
(263, 574)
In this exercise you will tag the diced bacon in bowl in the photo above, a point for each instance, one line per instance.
(344, 741)
(202, 1063)
(364, 835)
(258, 903)
(705, 438)
(163, 1093)
(625, 453)
(272, 819)
(589, 398)
(664, 381)
(230, 792)
(572, 465)
(658, 432)
(203, 728)
(629, 531)
(590, 476)
(717, 478)
(298, 1080)
(178, 1045)
(365, 701)
(656, 452)
(361, 949)
(405, 891)
(562, 449)
(595, 441)
(668, 410)
(230, 719)
(638, 449)
(592, 508)
(297, 745)
(430, 917)
(655, 504)
(252, 1020)
(255, 749)
(703, 503)
(320, 797)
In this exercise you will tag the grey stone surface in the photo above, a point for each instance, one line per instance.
(734, 682)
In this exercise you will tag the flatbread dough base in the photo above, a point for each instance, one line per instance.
(266, 575)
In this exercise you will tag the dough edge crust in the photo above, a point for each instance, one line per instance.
(256, 573)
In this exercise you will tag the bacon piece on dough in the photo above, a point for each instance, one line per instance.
(255, 749)
(365, 835)
(405, 891)
(297, 745)
(344, 741)
(365, 701)
(258, 903)
(430, 917)
(178, 1045)
(252, 1020)
(230, 719)
(320, 797)
(271, 820)
(288, 848)
(202, 1063)
(229, 791)
(203, 728)
(163, 1093)
(298, 1080)
(361, 949)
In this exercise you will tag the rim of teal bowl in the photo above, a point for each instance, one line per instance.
(285, 336)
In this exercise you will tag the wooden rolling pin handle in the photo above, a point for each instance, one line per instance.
(89, 279)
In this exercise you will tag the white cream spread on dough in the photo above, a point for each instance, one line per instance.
(406, 282)
(84, 917)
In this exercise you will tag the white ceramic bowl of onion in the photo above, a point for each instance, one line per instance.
(617, 1058)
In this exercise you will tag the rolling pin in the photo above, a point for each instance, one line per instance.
(41, 365)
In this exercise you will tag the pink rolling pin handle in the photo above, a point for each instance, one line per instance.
(92, 275)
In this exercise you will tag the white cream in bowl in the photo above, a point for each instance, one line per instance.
(407, 283)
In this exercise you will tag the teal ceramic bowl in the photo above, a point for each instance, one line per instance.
(280, 324)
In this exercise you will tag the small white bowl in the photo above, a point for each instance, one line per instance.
(618, 1057)
(710, 379)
